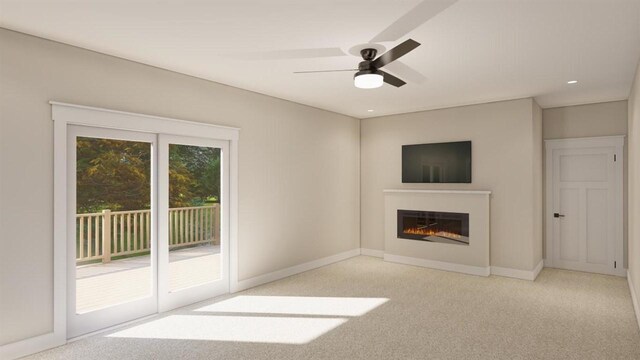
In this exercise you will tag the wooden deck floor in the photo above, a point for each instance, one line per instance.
(102, 285)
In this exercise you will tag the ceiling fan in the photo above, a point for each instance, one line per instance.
(368, 74)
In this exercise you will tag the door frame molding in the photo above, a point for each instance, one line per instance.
(617, 142)
(63, 115)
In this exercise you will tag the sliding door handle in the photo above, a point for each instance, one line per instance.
(556, 215)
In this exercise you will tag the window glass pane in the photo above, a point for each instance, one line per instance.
(113, 222)
(194, 215)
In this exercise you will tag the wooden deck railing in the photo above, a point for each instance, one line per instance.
(129, 232)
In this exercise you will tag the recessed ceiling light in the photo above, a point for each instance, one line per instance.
(370, 110)
(572, 82)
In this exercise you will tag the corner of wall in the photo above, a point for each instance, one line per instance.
(359, 182)
(537, 192)
(633, 205)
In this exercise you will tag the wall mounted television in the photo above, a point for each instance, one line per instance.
(448, 162)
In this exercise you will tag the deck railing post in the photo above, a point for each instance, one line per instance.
(106, 236)
(216, 226)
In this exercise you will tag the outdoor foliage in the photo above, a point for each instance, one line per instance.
(194, 175)
(115, 175)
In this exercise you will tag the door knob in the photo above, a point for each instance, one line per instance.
(557, 215)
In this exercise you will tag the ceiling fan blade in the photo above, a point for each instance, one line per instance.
(395, 53)
(411, 20)
(322, 71)
(392, 80)
(289, 54)
(406, 72)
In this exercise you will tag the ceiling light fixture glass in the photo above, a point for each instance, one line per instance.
(368, 79)
(572, 82)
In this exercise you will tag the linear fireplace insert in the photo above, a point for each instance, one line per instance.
(434, 226)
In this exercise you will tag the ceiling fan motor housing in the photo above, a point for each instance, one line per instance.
(365, 66)
(368, 53)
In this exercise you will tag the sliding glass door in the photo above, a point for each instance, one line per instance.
(148, 223)
(194, 216)
(112, 251)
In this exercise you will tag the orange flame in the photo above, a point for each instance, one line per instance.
(430, 232)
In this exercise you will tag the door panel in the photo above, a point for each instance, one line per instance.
(583, 167)
(597, 231)
(584, 191)
(111, 268)
(569, 228)
(194, 241)
(194, 216)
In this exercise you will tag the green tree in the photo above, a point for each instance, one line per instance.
(112, 174)
(115, 174)
(194, 175)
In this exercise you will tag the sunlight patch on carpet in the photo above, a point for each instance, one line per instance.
(296, 305)
(280, 330)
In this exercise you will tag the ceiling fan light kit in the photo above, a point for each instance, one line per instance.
(368, 79)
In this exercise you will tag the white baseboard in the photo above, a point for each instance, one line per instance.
(281, 274)
(634, 298)
(30, 346)
(372, 252)
(537, 270)
(530, 275)
(439, 265)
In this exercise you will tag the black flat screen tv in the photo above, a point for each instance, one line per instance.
(437, 163)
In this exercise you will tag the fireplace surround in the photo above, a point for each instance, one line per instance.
(441, 229)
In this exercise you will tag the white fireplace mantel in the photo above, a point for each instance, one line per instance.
(470, 259)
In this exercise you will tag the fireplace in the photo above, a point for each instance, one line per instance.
(434, 226)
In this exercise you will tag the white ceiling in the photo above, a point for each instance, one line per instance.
(474, 51)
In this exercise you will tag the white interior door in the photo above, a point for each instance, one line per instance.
(586, 213)
(111, 222)
(194, 234)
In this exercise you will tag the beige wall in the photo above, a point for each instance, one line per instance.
(634, 184)
(504, 139)
(292, 208)
(601, 119)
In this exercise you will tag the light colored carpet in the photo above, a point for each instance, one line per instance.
(393, 312)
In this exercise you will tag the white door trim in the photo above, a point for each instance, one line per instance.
(616, 142)
(68, 114)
